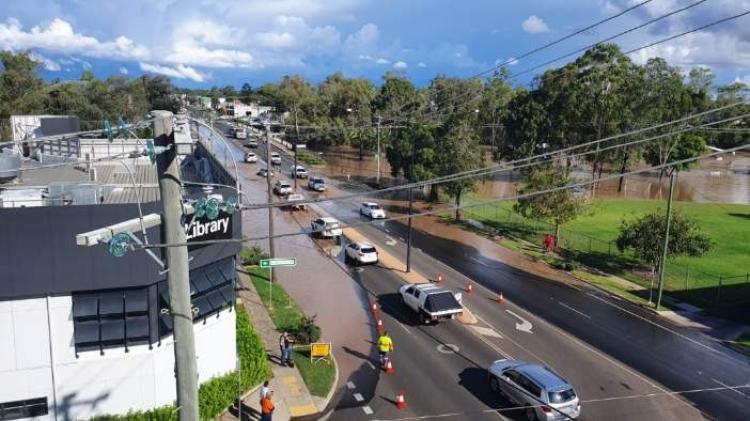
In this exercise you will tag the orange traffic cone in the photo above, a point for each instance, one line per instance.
(379, 325)
(389, 367)
(500, 297)
(469, 288)
(440, 278)
(374, 308)
(400, 401)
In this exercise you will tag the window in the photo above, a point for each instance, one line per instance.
(111, 319)
(23, 409)
(562, 396)
(529, 386)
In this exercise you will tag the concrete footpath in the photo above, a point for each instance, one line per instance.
(291, 397)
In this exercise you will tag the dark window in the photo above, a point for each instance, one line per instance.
(441, 301)
(529, 386)
(512, 375)
(23, 409)
(104, 319)
(562, 396)
(368, 250)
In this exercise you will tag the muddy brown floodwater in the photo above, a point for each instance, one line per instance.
(725, 180)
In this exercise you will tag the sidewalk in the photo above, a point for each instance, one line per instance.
(291, 397)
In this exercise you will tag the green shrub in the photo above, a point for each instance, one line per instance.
(310, 158)
(306, 331)
(217, 394)
(251, 256)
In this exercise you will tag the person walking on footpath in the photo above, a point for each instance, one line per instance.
(264, 391)
(266, 407)
(549, 243)
(285, 344)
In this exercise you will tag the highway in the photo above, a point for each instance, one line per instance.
(623, 361)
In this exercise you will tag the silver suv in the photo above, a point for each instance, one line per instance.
(544, 394)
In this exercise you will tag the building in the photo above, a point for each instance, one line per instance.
(85, 333)
(253, 111)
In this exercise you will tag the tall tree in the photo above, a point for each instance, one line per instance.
(459, 151)
(294, 95)
(493, 106)
(397, 97)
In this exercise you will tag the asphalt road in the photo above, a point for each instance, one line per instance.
(590, 338)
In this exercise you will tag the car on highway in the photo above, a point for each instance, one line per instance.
(371, 209)
(360, 253)
(326, 227)
(316, 184)
(431, 302)
(294, 197)
(275, 158)
(263, 172)
(251, 143)
(282, 188)
(298, 171)
(240, 133)
(251, 157)
(544, 394)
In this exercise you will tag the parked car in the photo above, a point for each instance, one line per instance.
(361, 253)
(275, 158)
(294, 197)
(263, 172)
(299, 171)
(373, 210)
(316, 184)
(326, 227)
(282, 188)
(251, 143)
(544, 393)
(251, 157)
(431, 302)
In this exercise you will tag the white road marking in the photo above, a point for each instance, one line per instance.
(733, 389)
(350, 385)
(370, 364)
(447, 348)
(367, 409)
(359, 270)
(390, 241)
(478, 261)
(485, 331)
(574, 310)
(358, 397)
(524, 326)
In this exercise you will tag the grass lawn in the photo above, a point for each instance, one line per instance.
(310, 158)
(318, 376)
(744, 340)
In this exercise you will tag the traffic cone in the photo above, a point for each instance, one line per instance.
(400, 401)
(374, 308)
(388, 367)
(500, 297)
(440, 278)
(469, 288)
(379, 325)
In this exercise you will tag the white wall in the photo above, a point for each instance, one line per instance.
(95, 384)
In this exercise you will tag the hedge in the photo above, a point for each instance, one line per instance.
(219, 393)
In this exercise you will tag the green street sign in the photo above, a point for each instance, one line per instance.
(278, 262)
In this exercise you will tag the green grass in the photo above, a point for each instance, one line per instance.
(610, 286)
(284, 312)
(318, 376)
(310, 158)
(743, 341)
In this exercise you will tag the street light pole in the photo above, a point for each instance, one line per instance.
(294, 146)
(411, 201)
(178, 280)
(377, 181)
(270, 213)
(663, 261)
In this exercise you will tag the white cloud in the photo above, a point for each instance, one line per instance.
(744, 79)
(400, 65)
(458, 55)
(364, 40)
(421, 64)
(701, 48)
(201, 56)
(86, 65)
(381, 60)
(123, 70)
(179, 72)
(60, 37)
(534, 25)
(48, 64)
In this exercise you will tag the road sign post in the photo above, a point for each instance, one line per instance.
(272, 263)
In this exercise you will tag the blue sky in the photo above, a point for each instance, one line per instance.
(201, 43)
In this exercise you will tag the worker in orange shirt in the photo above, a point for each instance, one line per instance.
(266, 407)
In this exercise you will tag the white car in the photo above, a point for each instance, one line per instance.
(373, 210)
(275, 158)
(263, 172)
(251, 157)
(316, 184)
(361, 253)
(282, 188)
(299, 171)
(326, 227)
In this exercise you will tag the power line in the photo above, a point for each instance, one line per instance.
(471, 205)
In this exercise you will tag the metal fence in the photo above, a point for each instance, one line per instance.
(682, 282)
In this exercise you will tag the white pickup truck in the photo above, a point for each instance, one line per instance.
(431, 302)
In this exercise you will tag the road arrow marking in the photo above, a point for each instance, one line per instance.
(390, 241)
(524, 326)
(358, 397)
(447, 348)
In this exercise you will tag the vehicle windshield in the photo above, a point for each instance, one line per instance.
(374, 207)
(332, 225)
(562, 396)
(367, 249)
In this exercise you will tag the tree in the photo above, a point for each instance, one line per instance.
(459, 151)
(645, 235)
(493, 106)
(412, 153)
(295, 94)
(159, 91)
(556, 207)
(527, 126)
(396, 97)
(246, 92)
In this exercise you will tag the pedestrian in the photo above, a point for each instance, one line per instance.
(549, 243)
(285, 344)
(264, 391)
(266, 407)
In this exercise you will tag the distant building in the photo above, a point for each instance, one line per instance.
(84, 333)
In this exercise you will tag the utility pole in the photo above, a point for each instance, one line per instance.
(181, 308)
(411, 201)
(270, 213)
(377, 181)
(663, 260)
(294, 146)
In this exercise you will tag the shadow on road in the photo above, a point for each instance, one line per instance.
(475, 381)
(391, 305)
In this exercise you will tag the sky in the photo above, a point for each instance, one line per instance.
(204, 43)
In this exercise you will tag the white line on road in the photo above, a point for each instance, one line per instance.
(733, 389)
(486, 331)
(358, 397)
(350, 385)
(574, 310)
(367, 409)
(370, 364)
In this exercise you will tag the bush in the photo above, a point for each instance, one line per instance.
(309, 158)
(306, 331)
(251, 256)
(217, 394)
